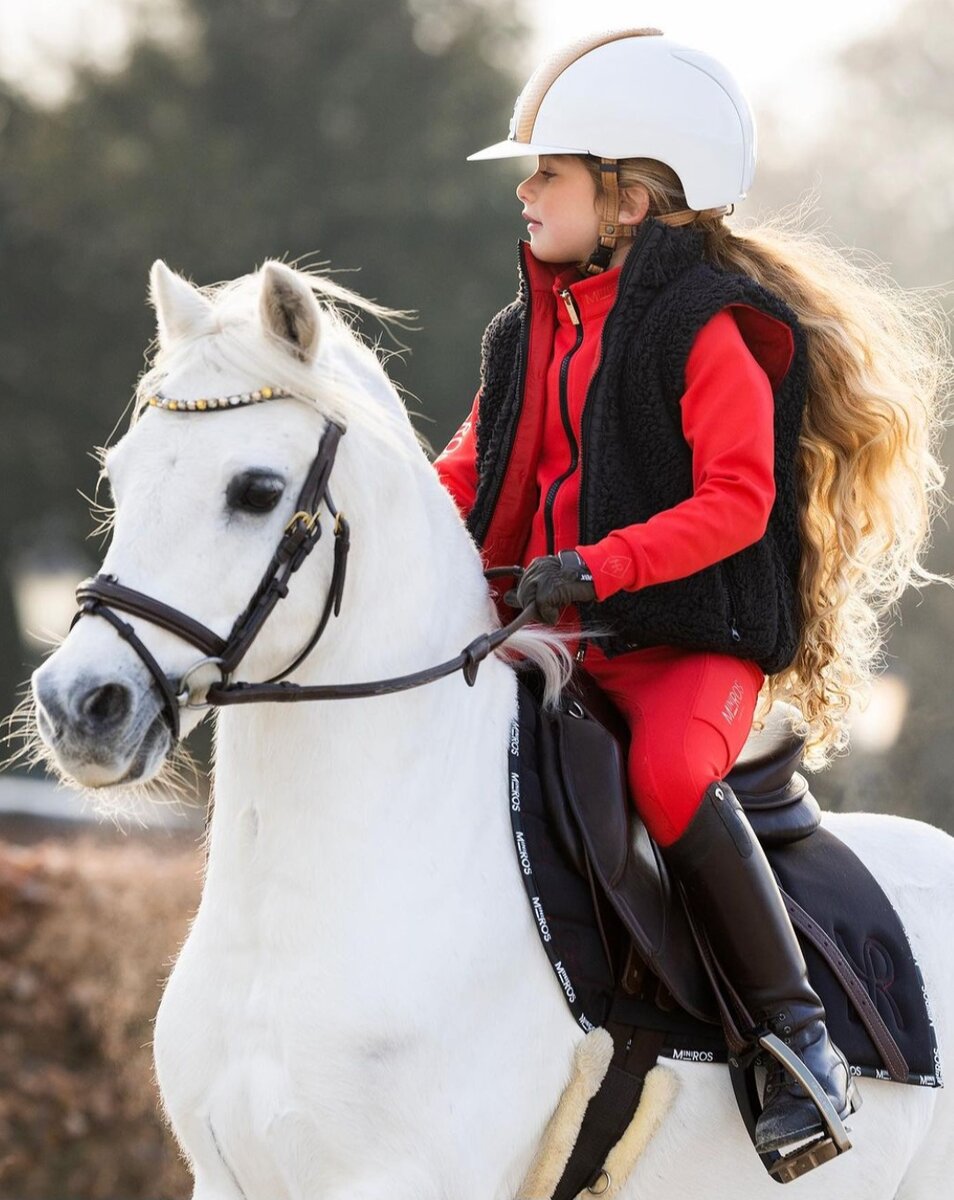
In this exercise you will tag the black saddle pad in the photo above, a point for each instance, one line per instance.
(820, 872)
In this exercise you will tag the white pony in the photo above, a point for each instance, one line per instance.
(362, 1009)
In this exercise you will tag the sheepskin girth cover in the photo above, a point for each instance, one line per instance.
(590, 1063)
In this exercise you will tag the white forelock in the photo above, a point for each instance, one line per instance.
(346, 383)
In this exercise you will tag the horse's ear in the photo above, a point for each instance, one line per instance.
(180, 308)
(289, 310)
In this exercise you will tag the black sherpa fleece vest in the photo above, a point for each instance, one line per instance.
(635, 461)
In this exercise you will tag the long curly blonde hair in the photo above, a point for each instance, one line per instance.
(870, 481)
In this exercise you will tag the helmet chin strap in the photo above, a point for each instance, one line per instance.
(610, 229)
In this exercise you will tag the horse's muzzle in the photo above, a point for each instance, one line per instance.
(99, 730)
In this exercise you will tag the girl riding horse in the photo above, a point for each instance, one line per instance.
(713, 453)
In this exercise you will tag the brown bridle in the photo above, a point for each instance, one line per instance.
(102, 594)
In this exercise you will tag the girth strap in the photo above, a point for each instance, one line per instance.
(609, 1113)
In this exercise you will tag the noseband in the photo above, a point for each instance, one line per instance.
(102, 594)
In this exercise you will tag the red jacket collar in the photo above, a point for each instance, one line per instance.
(769, 339)
(594, 293)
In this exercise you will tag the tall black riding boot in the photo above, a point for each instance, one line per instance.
(732, 894)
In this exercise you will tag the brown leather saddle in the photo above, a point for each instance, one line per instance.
(593, 817)
(622, 948)
(600, 827)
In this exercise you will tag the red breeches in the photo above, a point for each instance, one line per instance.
(689, 713)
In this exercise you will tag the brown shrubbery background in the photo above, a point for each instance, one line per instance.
(88, 929)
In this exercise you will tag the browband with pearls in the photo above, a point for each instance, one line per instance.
(215, 402)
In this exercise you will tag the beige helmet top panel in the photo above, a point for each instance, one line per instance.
(546, 74)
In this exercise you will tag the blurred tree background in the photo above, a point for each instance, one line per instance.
(883, 170)
(337, 131)
(332, 131)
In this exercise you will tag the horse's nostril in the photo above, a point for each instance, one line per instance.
(106, 706)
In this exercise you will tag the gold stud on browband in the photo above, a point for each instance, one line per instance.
(217, 402)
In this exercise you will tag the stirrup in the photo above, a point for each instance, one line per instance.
(826, 1146)
(823, 1148)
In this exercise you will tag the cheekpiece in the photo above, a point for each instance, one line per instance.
(211, 403)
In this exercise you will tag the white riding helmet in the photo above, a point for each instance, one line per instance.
(638, 94)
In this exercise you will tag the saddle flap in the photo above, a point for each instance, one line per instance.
(592, 768)
(625, 860)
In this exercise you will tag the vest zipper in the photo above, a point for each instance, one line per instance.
(581, 649)
(567, 424)
(636, 255)
(479, 532)
(629, 267)
(730, 605)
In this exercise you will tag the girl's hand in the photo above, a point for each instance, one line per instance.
(553, 581)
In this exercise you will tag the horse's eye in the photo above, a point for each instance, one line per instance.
(254, 491)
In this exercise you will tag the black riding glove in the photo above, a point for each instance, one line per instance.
(553, 581)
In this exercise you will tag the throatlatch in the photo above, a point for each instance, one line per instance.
(103, 593)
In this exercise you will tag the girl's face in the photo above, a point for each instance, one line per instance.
(559, 204)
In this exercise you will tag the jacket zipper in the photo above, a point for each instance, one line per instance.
(581, 649)
(567, 299)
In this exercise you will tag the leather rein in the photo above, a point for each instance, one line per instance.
(102, 594)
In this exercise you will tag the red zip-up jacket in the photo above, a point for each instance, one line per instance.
(726, 415)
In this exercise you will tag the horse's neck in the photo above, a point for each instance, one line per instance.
(389, 779)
